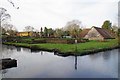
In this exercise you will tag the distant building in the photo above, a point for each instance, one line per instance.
(67, 37)
(96, 33)
(25, 34)
(84, 33)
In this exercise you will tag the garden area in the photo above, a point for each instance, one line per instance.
(78, 49)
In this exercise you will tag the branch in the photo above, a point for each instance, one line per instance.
(12, 4)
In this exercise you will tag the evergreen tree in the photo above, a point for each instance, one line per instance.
(45, 32)
(41, 32)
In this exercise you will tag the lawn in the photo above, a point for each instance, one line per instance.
(65, 48)
(81, 47)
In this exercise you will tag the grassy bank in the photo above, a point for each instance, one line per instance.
(82, 48)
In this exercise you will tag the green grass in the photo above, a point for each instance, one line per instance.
(81, 47)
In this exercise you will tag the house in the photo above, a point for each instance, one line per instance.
(84, 32)
(96, 33)
(26, 34)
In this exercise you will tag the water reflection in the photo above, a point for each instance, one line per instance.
(106, 55)
(4, 71)
(75, 62)
(40, 64)
(34, 51)
(94, 56)
(41, 52)
(7, 51)
(119, 63)
(26, 50)
(0, 51)
(18, 49)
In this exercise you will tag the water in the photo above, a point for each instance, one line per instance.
(42, 64)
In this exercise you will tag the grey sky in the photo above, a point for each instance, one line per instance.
(56, 13)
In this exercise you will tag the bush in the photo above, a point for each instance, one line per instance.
(39, 41)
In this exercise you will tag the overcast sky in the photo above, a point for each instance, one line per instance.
(56, 13)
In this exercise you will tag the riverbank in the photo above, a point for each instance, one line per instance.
(71, 49)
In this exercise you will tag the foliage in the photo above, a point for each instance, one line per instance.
(107, 25)
(115, 28)
(41, 32)
(45, 32)
(119, 36)
(50, 32)
(58, 33)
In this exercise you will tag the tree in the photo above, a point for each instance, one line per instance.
(45, 32)
(29, 29)
(74, 28)
(119, 36)
(50, 32)
(4, 16)
(66, 33)
(58, 33)
(13, 4)
(115, 28)
(107, 25)
(119, 23)
(10, 30)
(41, 32)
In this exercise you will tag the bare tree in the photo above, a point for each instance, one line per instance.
(13, 4)
(29, 28)
(119, 23)
(10, 29)
(3, 15)
(74, 28)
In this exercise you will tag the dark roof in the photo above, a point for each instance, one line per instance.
(105, 33)
(84, 32)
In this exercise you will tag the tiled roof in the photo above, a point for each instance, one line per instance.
(105, 33)
(84, 32)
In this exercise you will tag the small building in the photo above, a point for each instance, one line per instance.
(67, 37)
(96, 33)
(26, 34)
(84, 32)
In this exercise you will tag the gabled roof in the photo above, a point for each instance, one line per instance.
(84, 32)
(105, 33)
